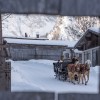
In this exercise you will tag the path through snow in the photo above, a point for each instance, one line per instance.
(38, 75)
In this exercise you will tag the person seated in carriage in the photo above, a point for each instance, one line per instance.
(74, 59)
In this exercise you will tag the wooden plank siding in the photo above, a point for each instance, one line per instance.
(89, 43)
(99, 40)
(99, 56)
(30, 51)
(93, 55)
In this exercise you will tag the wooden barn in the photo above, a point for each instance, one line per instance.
(90, 45)
(26, 49)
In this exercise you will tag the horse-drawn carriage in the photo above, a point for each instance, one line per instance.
(67, 70)
(60, 70)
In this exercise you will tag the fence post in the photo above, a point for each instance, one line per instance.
(5, 68)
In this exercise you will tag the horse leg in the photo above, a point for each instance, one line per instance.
(66, 76)
(72, 79)
(85, 80)
(83, 77)
(69, 77)
(78, 78)
(87, 77)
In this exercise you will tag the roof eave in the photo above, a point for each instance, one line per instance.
(81, 39)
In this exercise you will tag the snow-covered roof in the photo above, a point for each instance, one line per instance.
(95, 29)
(77, 51)
(27, 38)
(41, 42)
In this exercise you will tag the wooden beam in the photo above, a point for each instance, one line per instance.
(80, 48)
(99, 40)
(0, 30)
(55, 7)
(1, 60)
(88, 37)
(30, 6)
(4, 46)
(99, 56)
(5, 67)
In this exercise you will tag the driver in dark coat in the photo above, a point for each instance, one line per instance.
(74, 59)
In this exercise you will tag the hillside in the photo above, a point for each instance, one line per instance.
(51, 27)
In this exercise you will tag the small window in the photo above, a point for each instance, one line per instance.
(67, 55)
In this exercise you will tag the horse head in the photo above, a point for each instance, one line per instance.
(88, 63)
(77, 62)
(77, 67)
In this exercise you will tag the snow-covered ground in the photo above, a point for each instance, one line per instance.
(38, 75)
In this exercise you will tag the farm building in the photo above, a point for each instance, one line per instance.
(78, 54)
(89, 43)
(69, 53)
(25, 48)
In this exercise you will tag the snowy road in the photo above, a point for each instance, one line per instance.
(38, 75)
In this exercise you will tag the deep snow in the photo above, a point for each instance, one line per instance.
(38, 75)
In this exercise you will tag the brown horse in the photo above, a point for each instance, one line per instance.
(81, 73)
(84, 72)
(73, 70)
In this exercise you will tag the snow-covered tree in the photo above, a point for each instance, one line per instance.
(74, 27)
(18, 25)
(83, 23)
(52, 27)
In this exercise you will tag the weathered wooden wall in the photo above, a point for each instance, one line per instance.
(99, 56)
(27, 95)
(26, 52)
(5, 67)
(58, 7)
(93, 55)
